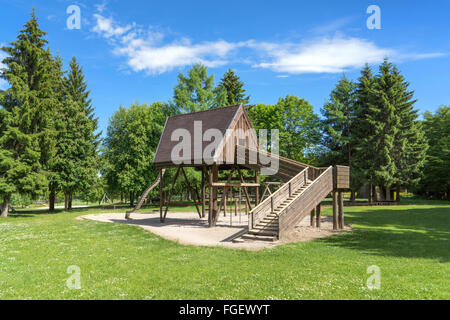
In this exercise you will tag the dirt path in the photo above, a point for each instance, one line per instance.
(188, 229)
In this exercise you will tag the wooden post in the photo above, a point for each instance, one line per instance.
(312, 220)
(341, 209)
(193, 192)
(170, 193)
(214, 175)
(318, 222)
(161, 195)
(257, 188)
(225, 198)
(203, 190)
(240, 200)
(335, 215)
(211, 196)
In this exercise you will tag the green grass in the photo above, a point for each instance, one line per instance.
(410, 243)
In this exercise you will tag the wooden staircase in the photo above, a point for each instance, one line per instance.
(286, 207)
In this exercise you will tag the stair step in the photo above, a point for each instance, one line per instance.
(268, 223)
(257, 232)
(269, 220)
(261, 238)
(266, 228)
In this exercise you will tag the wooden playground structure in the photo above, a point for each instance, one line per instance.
(301, 187)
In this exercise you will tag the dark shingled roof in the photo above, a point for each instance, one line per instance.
(219, 118)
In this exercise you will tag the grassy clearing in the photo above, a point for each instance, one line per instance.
(410, 243)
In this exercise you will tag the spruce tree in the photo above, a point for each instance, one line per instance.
(363, 168)
(27, 134)
(75, 164)
(384, 124)
(337, 125)
(234, 88)
(409, 144)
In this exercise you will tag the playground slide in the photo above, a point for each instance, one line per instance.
(144, 195)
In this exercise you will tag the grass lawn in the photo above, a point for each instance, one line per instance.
(410, 243)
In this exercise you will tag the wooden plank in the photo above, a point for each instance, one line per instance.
(303, 205)
(234, 184)
(312, 219)
(192, 191)
(170, 194)
(335, 214)
(318, 217)
(341, 210)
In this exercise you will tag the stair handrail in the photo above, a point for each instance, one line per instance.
(317, 180)
(271, 198)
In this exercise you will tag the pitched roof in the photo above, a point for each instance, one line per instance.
(219, 118)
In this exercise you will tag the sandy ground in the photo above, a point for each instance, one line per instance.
(187, 228)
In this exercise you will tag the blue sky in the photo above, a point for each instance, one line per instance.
(133, 50)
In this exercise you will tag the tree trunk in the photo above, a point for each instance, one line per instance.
(52, 200)
(69, 205)
(370, 193)
(353, 195)
(66, 200)
(5, 206)
(388, 194)
(131, 199)
(121, 197)
(397, 196)
(375, 194)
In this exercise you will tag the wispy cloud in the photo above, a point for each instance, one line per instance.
(324, 55)
(332, 26)
(148, 51)
(144, 52)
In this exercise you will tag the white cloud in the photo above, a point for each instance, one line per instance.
(325, 55)
(145, 51)
(108, 28)
(332, 26)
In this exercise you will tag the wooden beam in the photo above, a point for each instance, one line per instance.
(213, 196)
(232, 184)
(341, 209)
(312, 218)
(248, 203)
(161, 195)
(335, 215)
(170, 194)
(257, 188)
(193, 192)
(203, 190)
(318, 221)
(223, 202)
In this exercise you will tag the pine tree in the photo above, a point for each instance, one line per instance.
(337, 125)
(234, 88)
(410, 145)
(338, 116)
(27, 134)
(383, 121)
(196, 92)
(363, 167)
(75, 164)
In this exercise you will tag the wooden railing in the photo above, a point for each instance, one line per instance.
(271, 203)
(306, 201)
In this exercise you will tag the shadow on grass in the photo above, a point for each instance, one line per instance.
(399, 232)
